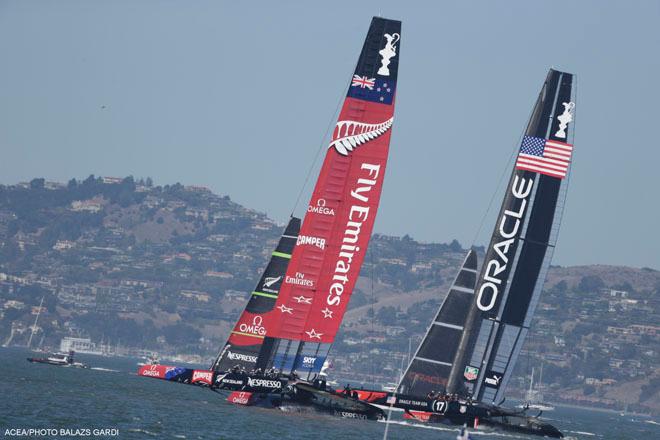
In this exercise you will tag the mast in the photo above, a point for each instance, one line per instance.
(335, 233)
(521, 247)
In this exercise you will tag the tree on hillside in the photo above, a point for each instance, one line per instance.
(37, 183)
(591, 283)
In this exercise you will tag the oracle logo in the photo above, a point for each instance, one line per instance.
(495, 269)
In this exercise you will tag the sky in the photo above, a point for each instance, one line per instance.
(238, 96)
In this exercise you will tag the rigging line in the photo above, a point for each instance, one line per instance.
(330, 126)
(504, 172)
(371, 257)
(568, 174)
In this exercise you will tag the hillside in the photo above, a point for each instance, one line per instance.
(168, 269)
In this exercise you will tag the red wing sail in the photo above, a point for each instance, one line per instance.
(333, 239)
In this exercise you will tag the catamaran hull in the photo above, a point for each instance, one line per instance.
(333, 403)
(178, 374)
(510, 423)
(459, 412)
(57, 363)
(293, 396)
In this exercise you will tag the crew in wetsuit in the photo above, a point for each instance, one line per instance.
(347, 390)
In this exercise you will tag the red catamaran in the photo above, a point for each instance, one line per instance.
(290, 322)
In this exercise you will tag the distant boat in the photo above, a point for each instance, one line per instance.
(534, 396)
(59, 360)
(149, 360)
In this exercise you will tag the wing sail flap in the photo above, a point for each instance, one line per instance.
(430, 366)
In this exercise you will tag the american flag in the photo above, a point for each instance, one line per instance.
(544, 156)
(363, 81)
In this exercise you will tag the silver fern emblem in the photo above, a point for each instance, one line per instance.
(350, 134)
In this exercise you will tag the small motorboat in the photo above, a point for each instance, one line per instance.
(60, 360)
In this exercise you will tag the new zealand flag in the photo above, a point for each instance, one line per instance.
(381, 91)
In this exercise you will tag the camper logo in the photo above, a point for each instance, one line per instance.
(471, 373)
(313, 241)
(202, 376)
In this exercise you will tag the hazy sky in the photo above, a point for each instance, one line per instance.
(238, 95)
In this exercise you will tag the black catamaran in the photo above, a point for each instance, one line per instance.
(461, 369)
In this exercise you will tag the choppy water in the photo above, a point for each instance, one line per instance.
(111, 396)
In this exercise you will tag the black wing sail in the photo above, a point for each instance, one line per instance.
(244, 343)
(521, 247)
(430, 367)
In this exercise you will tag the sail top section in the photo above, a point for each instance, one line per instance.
(335, 232)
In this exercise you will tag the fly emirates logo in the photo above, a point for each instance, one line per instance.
(490, 289)
(357, 215)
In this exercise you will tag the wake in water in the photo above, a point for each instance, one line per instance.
(104, 369)
(448, 429)
(143, 431)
